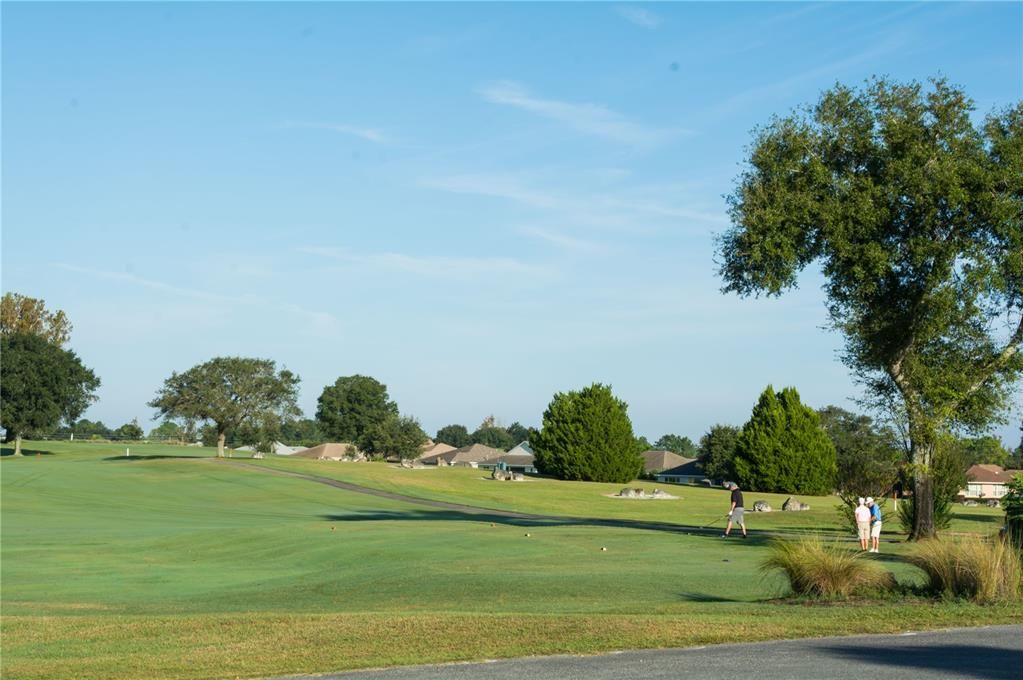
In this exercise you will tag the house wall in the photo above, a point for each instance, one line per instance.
(985, 490)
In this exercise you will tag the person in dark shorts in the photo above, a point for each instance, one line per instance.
(735, 513)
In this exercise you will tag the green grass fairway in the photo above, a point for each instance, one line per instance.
(169, 565)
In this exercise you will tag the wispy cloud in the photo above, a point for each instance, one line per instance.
(433, 266)
(565, 242)
(829, 70)
(633, 210)
(591, 119)
(639, 16)
(320, 320)
(129, 278)
(369, 134)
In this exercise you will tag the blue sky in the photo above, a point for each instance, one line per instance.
(478, 204)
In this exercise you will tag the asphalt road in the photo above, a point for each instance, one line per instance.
(990, 653)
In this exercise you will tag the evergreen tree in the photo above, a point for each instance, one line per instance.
(587, 436)
(681, 445)
(783, 447)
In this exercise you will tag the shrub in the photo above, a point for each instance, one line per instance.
(1013, 503)
(782, 447)
(942, 513)
(818, 569)
(587, 436)
(983, 571)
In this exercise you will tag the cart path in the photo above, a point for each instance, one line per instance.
(991, 653)
(713, 528)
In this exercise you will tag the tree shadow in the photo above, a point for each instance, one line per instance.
(704, 597)
(500, 517)
(133, 458)
(9, 451)
(978, 517)
(483, 515)
(964, 661)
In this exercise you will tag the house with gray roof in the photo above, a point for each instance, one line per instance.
(690, 472)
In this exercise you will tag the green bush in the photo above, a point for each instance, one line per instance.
(983, 571)
(783, 447)
(942, 513)
(587, 436)
(1012, 501)
(818, 569)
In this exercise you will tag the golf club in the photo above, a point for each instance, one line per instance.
(713, 522)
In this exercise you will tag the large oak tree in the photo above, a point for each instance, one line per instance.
(230, 392)
(915, 215)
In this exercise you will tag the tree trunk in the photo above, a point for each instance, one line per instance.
(221, 436)
(923, 506)
(17, 445)
(923, 487)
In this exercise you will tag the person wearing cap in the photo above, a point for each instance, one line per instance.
(875, 525)
(862, 514)
(735, 514)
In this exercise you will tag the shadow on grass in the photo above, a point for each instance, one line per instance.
(961, 661)
(528, 521)
(977, 517)
(133, 457)
(9, 451)
(705, 597)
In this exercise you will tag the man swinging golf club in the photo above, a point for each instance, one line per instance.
(736, 512)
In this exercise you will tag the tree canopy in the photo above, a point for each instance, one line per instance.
(23, 314)
(130, 431)
(868, 457)
(398, 436)
(229, 392)
(783, 449)
(587, 436)
(493, 435)
(916, 218)
(352, 407)
(454, 435)
(681, 445)
(40, 385)
(717, 451)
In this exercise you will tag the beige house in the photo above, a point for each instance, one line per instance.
(331, 451)
(470, 456)
(985, 482)
(430, 449)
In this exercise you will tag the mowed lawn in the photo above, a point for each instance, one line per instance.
(169, 564)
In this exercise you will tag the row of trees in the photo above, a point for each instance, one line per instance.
(252, 400)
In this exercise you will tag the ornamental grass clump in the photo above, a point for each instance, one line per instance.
(983, 571)
(825, 570)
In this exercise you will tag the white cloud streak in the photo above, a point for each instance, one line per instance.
(625, 211)
(432, 266)
(591, 119)
(637, 15)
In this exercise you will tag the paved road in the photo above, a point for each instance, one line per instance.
(991, 653)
